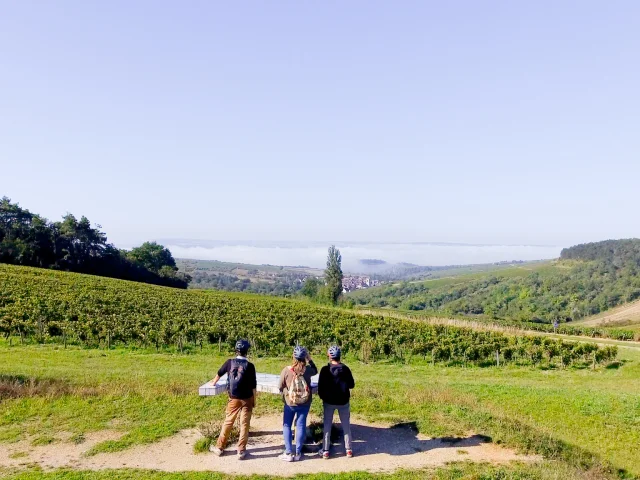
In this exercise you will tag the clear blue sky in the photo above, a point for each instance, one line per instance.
(462, 121)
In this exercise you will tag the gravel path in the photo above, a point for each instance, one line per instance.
(377, 448)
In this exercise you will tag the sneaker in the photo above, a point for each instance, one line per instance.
(242, 455)
(216, 451)
(297, 457)
(325, 455)
(286, 457)
(349, 453)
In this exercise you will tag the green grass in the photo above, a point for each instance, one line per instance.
(581, 417)
(456, 471)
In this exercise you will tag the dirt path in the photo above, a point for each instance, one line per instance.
(619, 316)
(377, 448)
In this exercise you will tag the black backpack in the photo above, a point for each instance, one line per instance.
(235, 377)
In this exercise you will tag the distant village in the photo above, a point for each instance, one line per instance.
(352, 283)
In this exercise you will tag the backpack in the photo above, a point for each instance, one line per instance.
(299, 392)
(235, 377)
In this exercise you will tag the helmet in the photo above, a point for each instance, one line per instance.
(242, 346)
(334, 352)
(299, 353)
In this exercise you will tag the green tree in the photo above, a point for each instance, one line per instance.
(333, 273)
(311, 287)
(154, 257)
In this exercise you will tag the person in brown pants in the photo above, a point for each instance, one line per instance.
(241, 379)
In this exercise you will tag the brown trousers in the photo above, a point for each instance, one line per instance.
(244, 408)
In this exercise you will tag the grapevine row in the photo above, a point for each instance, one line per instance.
(67, 307)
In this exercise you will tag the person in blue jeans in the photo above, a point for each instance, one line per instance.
(295, 385)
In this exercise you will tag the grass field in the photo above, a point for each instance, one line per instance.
(626, 316)
(578, 419)
(458, 471)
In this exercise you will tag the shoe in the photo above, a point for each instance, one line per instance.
(349, 453)
(325, 455)
(286, 457)
(216, 451)
(242, 455)
(297, 457)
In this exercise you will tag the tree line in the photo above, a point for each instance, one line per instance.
(75, 245)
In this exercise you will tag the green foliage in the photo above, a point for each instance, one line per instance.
(592, 279)
(66, 307)
(333, 274)
(311, 287)
(74, 245)
(153, 257)
(611, 251)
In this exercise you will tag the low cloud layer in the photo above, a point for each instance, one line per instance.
(315, 256)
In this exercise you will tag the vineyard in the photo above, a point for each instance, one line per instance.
(621, 334)
(50, 306)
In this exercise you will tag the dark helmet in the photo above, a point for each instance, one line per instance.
(334, 352)
(300, 353)
(242, 346)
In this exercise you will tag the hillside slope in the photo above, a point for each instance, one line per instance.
(60, 306)
(588, 279)
(627, 315)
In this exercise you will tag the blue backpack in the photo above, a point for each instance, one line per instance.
(236, 375)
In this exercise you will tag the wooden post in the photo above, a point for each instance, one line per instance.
(497, 358)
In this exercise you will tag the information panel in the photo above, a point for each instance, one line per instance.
(267, 383)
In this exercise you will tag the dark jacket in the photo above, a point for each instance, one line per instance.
(249, 380)
(335, 384)
(286, 377)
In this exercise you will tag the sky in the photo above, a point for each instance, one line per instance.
(428, 121)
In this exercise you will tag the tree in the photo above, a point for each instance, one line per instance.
(153, 257)
(311, 287)
(333, 273)
(71, 244)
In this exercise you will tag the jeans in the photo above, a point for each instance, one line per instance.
(301, 412)
(244, 408)
(344, 412)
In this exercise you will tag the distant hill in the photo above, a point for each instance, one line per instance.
(283, 281)
(616, 252)
(372, 261)
(587, 280)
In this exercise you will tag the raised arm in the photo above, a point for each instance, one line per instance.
(313, 370)
(223, 369)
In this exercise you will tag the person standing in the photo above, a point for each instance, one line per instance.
(242, 383)
(334, 388)
(295, 385)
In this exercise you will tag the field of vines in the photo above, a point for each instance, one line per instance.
(621, 334)
(50, 306)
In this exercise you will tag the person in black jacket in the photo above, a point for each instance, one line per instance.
(334, 388)
(241, 381)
